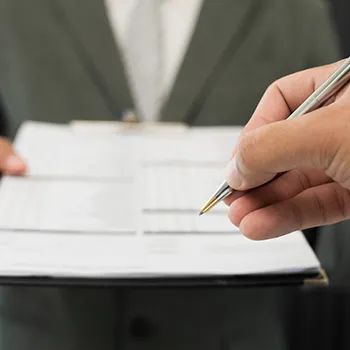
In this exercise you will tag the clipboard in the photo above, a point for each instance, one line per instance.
(312, 279)
(226, 254)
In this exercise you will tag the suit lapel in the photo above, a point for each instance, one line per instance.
(214, 41)
(88, 28)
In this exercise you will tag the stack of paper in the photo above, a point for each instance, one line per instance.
(125, 204)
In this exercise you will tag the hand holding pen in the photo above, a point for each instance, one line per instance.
(294, 172)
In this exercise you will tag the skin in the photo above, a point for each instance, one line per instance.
(10, 162)
(290, 174)
(295, 174)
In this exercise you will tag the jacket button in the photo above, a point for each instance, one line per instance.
(141, 328)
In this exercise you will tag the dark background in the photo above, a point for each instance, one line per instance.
(341, 12)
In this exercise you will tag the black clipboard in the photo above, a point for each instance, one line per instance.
(314, 279)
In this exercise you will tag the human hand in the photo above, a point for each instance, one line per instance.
(297, 171)
(10, 162)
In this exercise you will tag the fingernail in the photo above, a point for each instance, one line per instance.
(233, 177)
(14, 164)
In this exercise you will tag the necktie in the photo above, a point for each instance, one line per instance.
(143, 58)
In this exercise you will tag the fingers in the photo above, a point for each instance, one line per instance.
(270, 145)
(283, 188)
(10, 162)
(316, 206)
(287, 145)
(286, 94)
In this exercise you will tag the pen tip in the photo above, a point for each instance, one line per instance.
(201, 213)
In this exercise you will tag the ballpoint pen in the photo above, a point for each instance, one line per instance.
(330, 87)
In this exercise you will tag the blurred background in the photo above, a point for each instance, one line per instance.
(340, 10)
(59, 61)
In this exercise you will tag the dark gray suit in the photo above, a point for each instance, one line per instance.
(59, 61)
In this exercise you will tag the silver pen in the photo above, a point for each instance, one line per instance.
(330, 87)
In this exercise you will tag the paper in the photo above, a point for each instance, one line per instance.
(180, 187)
(67, 206)
(158, 222)
(74, 255)
(126, 204)
(57, 152)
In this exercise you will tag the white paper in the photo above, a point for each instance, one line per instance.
(56, 151)
(192, 147)
(126, 205)
(179, 187)
(186, 223)
(52, 254)
(44, 205)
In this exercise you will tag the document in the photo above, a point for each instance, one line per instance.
(125, 204)
(36, 204)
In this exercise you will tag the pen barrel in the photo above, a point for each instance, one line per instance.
(321, 95)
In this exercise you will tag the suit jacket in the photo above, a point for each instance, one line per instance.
(340, 9)
(59, 61)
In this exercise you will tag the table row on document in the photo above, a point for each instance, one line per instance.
(93, 206)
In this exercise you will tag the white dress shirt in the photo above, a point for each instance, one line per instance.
(178, 18)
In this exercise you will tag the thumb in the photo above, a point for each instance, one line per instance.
(307, 142)
(10, 162)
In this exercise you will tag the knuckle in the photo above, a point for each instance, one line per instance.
(303, 179)
(335, 152)
(342, 200)
(271, 87)
(297, 214)
(247, 151)
(276, 84)
(320, 208)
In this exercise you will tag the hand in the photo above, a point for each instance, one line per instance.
(10, 162)
(302, 166)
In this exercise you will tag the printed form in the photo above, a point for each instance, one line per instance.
(125, 204)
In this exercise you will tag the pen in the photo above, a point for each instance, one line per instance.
(330, 87)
